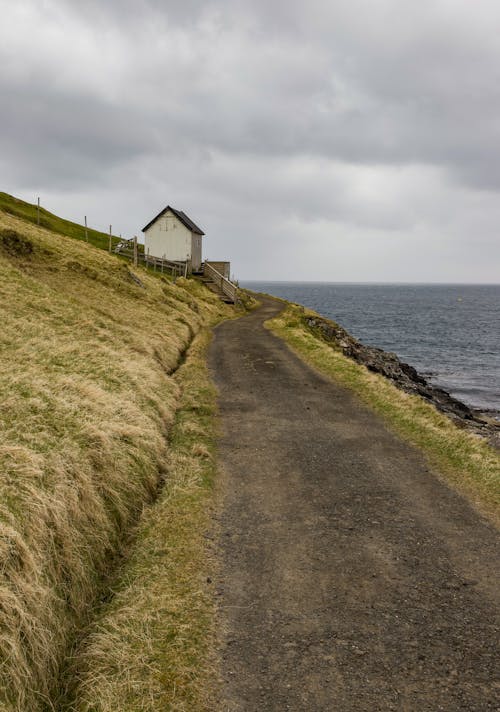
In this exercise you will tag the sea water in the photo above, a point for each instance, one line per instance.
(449, 333)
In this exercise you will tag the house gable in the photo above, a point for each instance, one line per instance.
(180, 215)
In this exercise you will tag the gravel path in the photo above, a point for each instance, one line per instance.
(351, 577)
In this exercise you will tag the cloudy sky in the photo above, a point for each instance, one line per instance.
(353, 140)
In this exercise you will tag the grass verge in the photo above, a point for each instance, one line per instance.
(466, 460)
(150, 647)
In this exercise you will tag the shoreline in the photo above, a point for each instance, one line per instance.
(463, 451)
(401, 374)
(443, 342)
(404, 376)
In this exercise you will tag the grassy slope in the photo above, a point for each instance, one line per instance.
(87, 403)
(28, 212)
(466, 460)
(150, 649)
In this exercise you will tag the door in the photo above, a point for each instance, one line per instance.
(196, 256)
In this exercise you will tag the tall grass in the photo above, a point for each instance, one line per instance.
(87, 396)
(464, 459)
(150, 647)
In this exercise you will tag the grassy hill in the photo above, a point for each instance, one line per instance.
(105, 444)
(29, 213)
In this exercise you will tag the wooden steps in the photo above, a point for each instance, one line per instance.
(217, 283)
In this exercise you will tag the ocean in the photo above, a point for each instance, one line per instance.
(449, 333)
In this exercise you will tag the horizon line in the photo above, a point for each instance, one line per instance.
(310, 281)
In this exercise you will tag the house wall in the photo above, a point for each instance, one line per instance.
(169, 238)
(196, 251)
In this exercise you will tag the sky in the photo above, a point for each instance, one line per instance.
(328, 140)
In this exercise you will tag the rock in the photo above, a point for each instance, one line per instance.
(401, 374)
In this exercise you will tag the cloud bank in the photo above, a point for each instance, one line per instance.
(321, 140)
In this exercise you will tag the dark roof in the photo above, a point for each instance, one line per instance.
(182, 217)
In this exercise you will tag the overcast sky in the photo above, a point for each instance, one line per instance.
(354, 140)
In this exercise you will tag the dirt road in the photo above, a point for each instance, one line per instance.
(351, 577)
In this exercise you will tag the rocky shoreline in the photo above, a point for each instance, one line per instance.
(403, 376)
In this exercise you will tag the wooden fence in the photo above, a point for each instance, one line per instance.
(129, 248)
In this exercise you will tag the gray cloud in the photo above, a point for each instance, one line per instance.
(319, 125)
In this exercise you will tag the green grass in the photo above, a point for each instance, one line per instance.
(28, 212)
(465, 460)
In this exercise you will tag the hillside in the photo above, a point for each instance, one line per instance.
(29, 213)
(92, 399)
(117, 563)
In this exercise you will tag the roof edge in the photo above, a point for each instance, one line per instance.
(187, 222)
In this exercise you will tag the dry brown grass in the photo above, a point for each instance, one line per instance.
(150, 648)
(86, 402)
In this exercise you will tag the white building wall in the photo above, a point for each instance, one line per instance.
(169, 238)
(196, 251)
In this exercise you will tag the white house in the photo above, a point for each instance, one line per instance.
(173, 236)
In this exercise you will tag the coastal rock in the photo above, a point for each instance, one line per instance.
(401, 374)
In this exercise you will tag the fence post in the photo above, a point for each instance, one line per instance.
(38, 212)
(110, 240)
(86, 233)
(135, 250)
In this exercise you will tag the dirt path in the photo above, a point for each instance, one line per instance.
(352, 578)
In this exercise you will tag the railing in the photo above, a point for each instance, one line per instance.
(176, 269)
(129, 248)
(227, 288)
